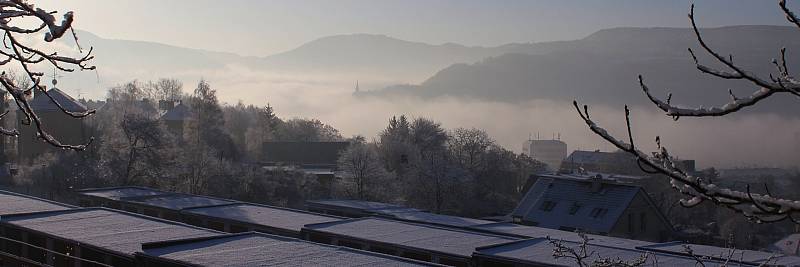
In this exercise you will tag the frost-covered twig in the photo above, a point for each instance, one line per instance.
(782, 82)
(13, 12)
(759, 207)
(583, 257)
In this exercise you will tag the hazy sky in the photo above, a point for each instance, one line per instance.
(261, 28)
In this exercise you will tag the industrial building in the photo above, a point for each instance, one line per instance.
(256, 249)
(243, 217)
(94, 234)
(550, 152)
(444, 245)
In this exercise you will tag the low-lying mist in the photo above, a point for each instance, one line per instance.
(744, 139)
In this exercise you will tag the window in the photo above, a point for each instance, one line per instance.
(598, 213)
(574, 209)
(547, 205)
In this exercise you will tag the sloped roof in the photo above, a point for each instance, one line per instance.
(597, 157)
(256, 249)
(181, 112)
(281, 218)
(563, 193)
(13, 203)
(111, 230)
(43, 103)
(452, 241)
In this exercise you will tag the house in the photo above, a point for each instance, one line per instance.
(256, 249)
(594, 205)
(443, 245)
(65, 128)
(176, 117)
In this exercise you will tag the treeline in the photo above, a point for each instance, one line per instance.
(420, 164)
(216, 151)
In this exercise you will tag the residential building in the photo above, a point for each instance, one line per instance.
(549, 152)
(62, 126)
(177, 117)
(594, 205)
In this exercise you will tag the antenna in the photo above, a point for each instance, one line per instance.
(55, 77)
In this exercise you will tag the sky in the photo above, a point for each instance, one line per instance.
(261, 28)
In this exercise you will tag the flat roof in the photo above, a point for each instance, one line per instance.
(13, 203)
(539, 251)
(255, 249)
(264, 215)
(353, 204)
(175, 201)
(747, 256)
(117, 231)
(118, 193)
(540, 232)
(427, 217)
(412, 235)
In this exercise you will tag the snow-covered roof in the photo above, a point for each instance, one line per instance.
(13, 203)
(43, 103)
(355, 207)
(539, 252)
(117, 193)
(573, 203)
(111, 230)
(275, 217)
(176, 201)
(788, 245)
(427, 217)
(256, 249)
(181, 112)
(720, 253)
(540, 232)
(451, 241)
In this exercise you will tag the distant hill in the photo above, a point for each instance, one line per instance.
(359, 55)
(602, 68)
(380, 55)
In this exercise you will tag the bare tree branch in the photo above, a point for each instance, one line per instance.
(27, 56)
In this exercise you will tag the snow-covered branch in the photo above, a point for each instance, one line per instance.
(782, 82)
(758, 207)
(15, 51)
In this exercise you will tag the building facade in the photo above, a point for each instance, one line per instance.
(550, 152)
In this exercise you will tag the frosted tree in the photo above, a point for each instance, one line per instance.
(757, 207)
(15, 23)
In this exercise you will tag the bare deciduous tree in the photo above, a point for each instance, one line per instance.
(15, 18)
(757, 207)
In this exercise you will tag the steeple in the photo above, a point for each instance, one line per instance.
(358, 90)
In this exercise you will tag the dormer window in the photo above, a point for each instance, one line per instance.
(547, 205)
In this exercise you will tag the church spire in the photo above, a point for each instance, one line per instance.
(358, 90)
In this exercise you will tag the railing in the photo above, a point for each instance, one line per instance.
(56, 256)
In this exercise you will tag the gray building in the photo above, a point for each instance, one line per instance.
(594, 205)
(550, 152)
(96, 234)
(255, 249)
(444, 245)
